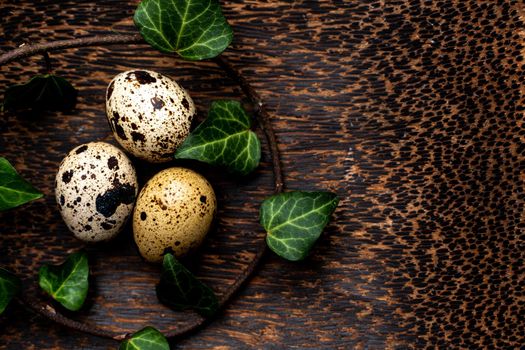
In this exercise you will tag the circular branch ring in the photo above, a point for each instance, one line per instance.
(195, 321)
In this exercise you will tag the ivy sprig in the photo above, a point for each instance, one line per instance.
(14, 190)
(181, 290)
(194, 29)
(68, 282)
(148, 338)
(9, 287)
(41, 92)
(224, 139)
(294, 221)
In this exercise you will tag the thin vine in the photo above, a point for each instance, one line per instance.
(194, 321)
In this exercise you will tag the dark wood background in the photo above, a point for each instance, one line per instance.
(412, 111)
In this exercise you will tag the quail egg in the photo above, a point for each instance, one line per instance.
(173, 213)
(150, 114)
(95, 188)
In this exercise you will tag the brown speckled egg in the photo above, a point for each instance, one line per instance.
(150, 114)
(173, 213)
(95, 189)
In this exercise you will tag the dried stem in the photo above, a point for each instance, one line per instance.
(262, 115)
(31, 50)
(194, 321)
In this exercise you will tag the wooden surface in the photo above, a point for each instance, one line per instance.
(412, 112)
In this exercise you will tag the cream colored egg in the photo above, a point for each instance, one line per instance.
(150, 114)
(95, 188)
(173, 213)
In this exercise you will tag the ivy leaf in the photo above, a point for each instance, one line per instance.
(294, 221)
(224, 139)
(195, 29)
(41, 92)
(146, 339)
(9, 286)
(180, 289)
(67, 283)
(14, 190)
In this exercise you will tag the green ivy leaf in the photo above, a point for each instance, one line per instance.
(9, 286)
(195, 29)
(14, 190)
(67, 283)
(180, 289)
(224, 139)
(294, 221)
(41, 92)
(146, 339)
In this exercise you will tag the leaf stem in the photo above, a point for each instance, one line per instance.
(47, 61)
(194, 320)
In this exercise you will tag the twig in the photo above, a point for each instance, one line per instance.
(262, 114)
(194, 321)
(31, 50)
(50, 312)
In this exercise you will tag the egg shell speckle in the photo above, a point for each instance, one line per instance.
(150, 114)
(174, 211)
(95, 188)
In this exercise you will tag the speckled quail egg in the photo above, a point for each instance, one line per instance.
(173, 213)
(95, 188)
(150, 114)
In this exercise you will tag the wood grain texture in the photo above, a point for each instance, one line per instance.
(411, 111)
